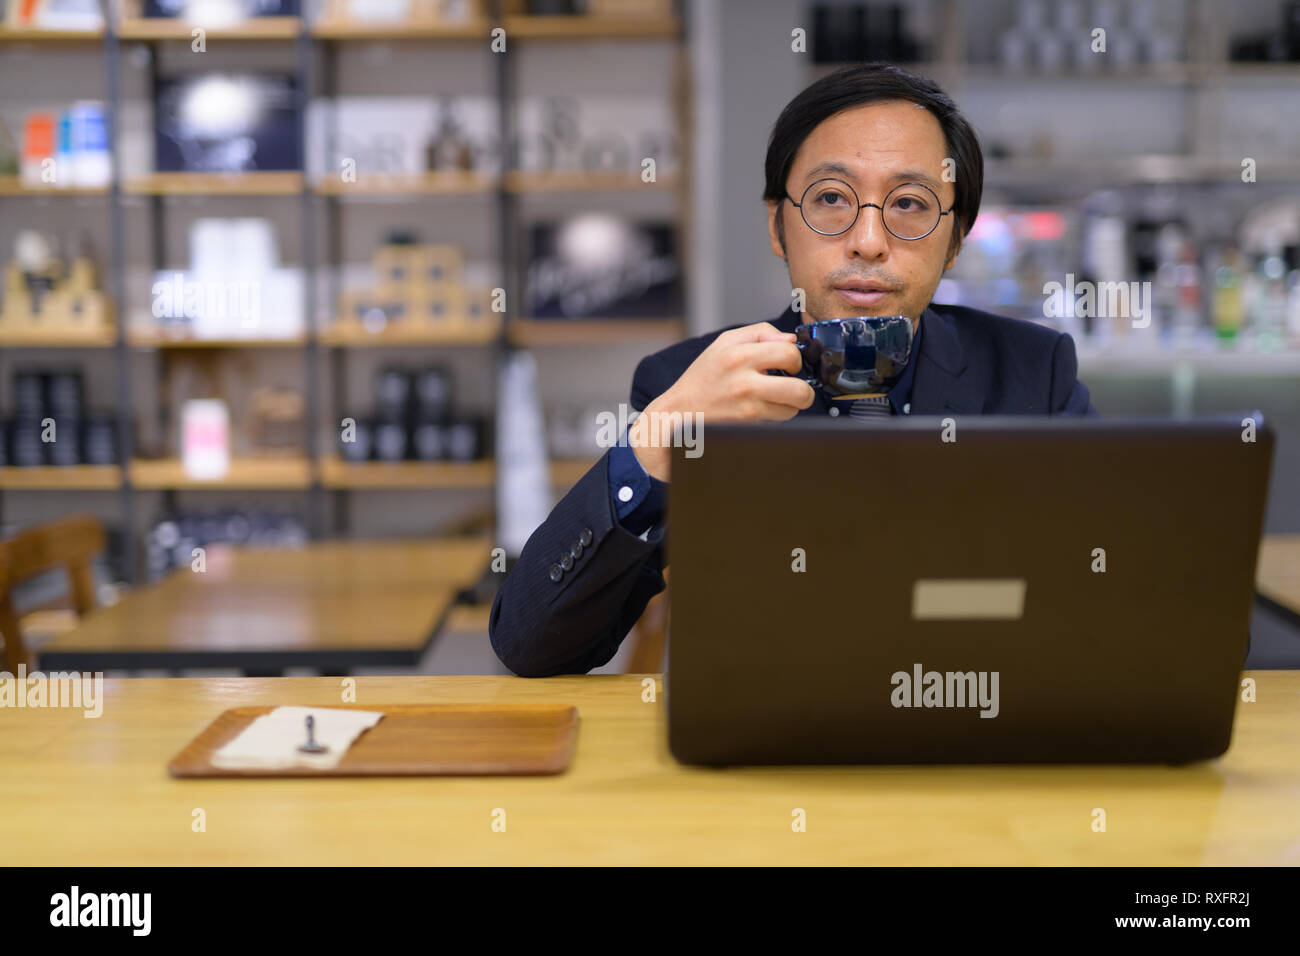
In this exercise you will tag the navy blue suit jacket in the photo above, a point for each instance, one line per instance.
(970, 362)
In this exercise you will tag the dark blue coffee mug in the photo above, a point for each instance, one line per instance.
(850, 358)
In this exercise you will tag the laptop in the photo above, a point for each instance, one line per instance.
(973, 590)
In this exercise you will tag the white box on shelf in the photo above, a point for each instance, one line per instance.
(379, 10)
(232, 248)
(253, 249)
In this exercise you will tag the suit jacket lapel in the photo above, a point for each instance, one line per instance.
(942, 382)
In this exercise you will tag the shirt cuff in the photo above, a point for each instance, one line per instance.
(636, 496)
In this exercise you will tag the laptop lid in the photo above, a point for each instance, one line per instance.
(999, 589)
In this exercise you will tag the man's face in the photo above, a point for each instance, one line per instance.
(879, 145)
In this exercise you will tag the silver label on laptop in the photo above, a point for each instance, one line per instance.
(951, 599)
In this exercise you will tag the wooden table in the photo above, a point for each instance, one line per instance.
(1277, 577)
(331, 605)
(91, 792)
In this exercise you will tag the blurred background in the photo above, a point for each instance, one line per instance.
(279, 272)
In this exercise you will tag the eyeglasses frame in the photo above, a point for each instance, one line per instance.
(858, 212)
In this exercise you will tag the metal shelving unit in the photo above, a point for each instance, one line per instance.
(320, 474)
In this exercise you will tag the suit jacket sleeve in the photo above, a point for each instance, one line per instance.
(540, 627)
(1069, 395)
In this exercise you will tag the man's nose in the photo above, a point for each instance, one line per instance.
(869, 238)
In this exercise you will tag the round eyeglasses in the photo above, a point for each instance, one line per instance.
(830, 207)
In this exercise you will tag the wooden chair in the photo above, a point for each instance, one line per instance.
(650, 634)
(71, 543)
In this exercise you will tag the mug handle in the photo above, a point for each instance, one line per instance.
(805, 374)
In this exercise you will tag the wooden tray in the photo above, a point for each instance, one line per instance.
(416, 740)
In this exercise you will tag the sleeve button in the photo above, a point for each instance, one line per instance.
(575, 549)
(556, 573)
(566, 561)
(585, 537)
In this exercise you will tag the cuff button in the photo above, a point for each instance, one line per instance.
(556, 573)
(566, 561)
(585, 537)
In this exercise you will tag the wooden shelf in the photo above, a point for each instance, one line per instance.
(61, 478)
(9, 34)
(582, 27)
(345, 29)
(216, 184)
(245, 473)
(396, 334)
(337, 29)
(168, 28)
(96, 338)
(1175, 74)
(581, 180)
(336, 473)
(436, 183)
(1247, 70)
(593, 331)
(565, 472)
(150, 341)
(1083, 174)
(1113, 358)
(14, 186)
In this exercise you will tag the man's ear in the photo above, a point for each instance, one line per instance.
(775, 231)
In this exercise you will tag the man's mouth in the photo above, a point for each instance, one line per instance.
(865, 294)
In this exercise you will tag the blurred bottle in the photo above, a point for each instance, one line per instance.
(39, 145)
(1292, 256)
(1160, 39)
(1031, 15)
(1013, 51)
(81, 277)
(1125, 43)
(63, 150)
(1228, 311)
(1270, 323)
(9, 153)
(448, 148)
(1168, 244)
(1187, 311)
(92, 161)
(1105, 248)
(1291, 29)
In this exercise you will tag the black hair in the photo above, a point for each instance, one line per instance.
(869, 83)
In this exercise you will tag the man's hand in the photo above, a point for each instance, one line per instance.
(728, 382)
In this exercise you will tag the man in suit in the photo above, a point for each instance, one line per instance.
(873, 178)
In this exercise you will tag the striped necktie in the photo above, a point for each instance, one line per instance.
(873, 406)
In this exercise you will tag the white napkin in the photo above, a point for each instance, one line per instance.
(271, 741)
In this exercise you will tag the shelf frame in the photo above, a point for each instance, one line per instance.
(316, 473)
